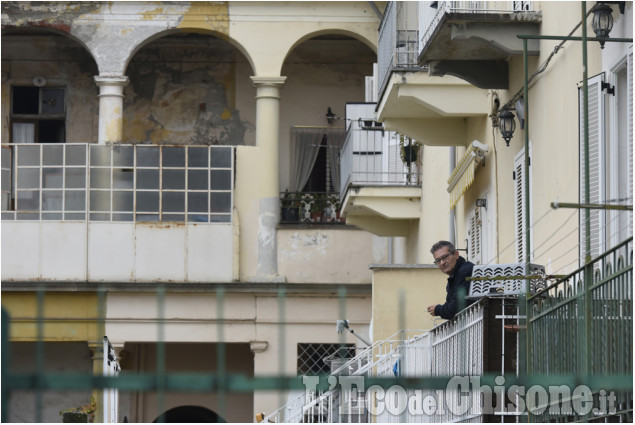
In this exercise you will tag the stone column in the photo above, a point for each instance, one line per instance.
(97, 348)
(110, 107)
(268, 140)
(264, 364)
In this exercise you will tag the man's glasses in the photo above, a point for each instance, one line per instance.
(443, 258)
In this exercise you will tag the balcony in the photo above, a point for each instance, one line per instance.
(471, 345)
(380, 177)
(483, 341)
(310, 208)
(412, 102)
(86, 212)
(473, 40)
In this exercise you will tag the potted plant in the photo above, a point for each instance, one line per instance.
(333, 203)
(289, 208)
(83, 414)
(317, 207)
(409, 152)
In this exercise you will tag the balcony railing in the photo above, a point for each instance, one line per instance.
(376, 158)
(398, 41)
(334, 407)
(565, 310)
(117, 182)
(310, 208)
(431, 17)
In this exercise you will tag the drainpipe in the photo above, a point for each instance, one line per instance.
(451, 230)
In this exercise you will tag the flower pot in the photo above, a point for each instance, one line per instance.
(289, 215)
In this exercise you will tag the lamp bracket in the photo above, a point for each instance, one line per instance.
(621, 4)
(609, 88)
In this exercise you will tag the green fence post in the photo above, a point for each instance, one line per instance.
(6, 350)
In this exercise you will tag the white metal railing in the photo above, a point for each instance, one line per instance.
(398, 43)
(454, 348)
(312, 407)
(457, 350)
(374, 158)
(80, 181)
(431, 17)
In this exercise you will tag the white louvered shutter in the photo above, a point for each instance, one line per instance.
(519, 200)
(597, 135)
(475, 237)
(630, 130)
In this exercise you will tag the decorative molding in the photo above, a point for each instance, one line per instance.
(257, 347)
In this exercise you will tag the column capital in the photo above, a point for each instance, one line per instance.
(259, 81)
(97, 348)
(111, 80)
(258, 346)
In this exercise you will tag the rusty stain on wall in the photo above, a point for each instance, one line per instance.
(212, 16)
(152, 14)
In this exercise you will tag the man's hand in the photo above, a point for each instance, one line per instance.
(431, 309)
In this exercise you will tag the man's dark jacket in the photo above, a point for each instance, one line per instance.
(456, 280)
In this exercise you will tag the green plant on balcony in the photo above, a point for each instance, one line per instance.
(409, 152)
(290, 204)
(318, 206)
(85, 413)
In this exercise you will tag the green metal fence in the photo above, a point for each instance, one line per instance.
(599, 308)
(554, 355)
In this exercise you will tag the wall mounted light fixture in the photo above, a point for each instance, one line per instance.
(330, 116)
(506, 124)
(602, 22)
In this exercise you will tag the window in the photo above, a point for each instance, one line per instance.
(118, 183)
(311, 357)
(610, 99)
(38, 114)
(315, 159)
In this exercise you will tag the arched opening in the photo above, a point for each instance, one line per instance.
(325, 71)
(48, 77)
(189, 414)
(189, 88)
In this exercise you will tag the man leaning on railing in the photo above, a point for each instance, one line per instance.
(447, 258)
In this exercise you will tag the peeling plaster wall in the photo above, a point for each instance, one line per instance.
(63, 63)
(329, 255)
(183, 90)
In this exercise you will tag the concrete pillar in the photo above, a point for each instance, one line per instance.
(268, 140)
(264, 365)
(110, 107)
(97, 348)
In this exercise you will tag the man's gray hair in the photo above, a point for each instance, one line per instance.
(437, 246)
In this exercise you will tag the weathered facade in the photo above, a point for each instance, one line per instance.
(148, 143)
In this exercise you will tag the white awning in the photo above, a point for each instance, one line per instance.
(463, 174)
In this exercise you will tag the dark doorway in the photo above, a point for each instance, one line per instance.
(189, 414)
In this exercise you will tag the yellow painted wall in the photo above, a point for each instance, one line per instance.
(421, 286)
(68, 316)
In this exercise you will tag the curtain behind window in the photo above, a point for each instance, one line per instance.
(305, 145)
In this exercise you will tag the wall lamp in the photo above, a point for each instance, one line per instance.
(506, 124)
(602, 22)
(330, 116)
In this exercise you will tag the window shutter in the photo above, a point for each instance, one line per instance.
(519, 199)
(475, 237)
(629, 64)
(596, 121)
